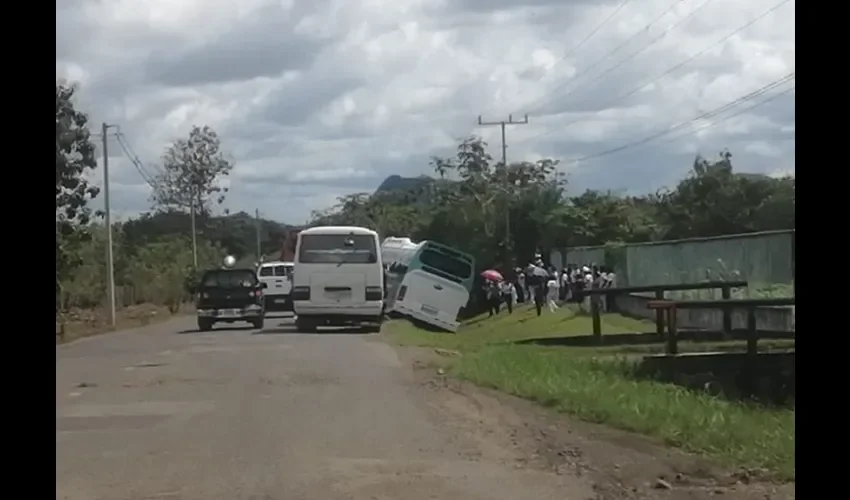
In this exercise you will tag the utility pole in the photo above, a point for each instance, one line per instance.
(194, 232)
(502, 124)
(259, 252)
(110, 271)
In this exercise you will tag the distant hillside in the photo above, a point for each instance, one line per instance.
(399, 183)
(237, 233)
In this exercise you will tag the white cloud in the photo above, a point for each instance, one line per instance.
(317, 99)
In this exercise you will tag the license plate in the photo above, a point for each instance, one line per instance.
(338, 295)
(429, 310)
(279, 301)
(229, 313)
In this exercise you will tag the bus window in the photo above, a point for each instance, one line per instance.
(338, 249)
(446, 264)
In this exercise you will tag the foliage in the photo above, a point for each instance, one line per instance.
(507, 214)
(154, 272)
(75, 157)
(235, 233)
(192, 168)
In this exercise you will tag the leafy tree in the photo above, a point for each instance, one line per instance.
(192, 168)
(75, 157)
(474, 204)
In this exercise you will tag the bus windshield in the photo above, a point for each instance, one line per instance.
(445, 263)
(338, 249)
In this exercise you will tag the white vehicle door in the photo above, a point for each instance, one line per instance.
(278, 278)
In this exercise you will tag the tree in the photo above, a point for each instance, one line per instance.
(466, 207)
(75, 157)
(193, 168)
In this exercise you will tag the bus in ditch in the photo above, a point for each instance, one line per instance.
(426, 280)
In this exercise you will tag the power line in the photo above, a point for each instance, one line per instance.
(137, 164)
(670, 70)
(588, 37)
(155, 168)
(681, 125)
(733, 115)
(633, 54)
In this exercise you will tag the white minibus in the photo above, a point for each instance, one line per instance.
(338, 278)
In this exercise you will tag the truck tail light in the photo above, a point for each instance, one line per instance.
(401, 292)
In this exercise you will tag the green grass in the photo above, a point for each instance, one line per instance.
(524, 323)
(595, 384)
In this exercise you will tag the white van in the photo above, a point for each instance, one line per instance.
(277, 276)
(338, 278)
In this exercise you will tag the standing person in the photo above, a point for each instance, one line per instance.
(565, 284)
(508, 295)
(539, 294)
(552, 288)
(521, 289)
(536, 285)
(578, 285)
(601, 281)
(493, 296)
(588, 285)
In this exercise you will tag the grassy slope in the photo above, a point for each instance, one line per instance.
(596, 386)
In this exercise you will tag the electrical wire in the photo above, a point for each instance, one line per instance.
(628, 58)
(729, 117)
(149, 179)
(682, 125)
(668, 71)
(588, 37)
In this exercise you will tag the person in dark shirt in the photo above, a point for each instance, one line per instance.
(494, 297)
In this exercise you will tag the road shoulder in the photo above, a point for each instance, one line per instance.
(619, 464)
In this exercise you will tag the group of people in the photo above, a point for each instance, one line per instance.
(548, 286)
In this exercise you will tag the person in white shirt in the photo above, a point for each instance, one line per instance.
(552, 287)
(508, 295)
(587, 279)
(565, 285)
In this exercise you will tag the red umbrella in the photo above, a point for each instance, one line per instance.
(492, 275)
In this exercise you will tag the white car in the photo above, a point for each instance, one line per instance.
(277, 276)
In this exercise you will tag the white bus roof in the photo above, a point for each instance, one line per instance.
(394, 242)
(338, 230)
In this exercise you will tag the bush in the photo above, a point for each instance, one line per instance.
(155, 272)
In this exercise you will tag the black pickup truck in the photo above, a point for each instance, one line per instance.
(229, 295)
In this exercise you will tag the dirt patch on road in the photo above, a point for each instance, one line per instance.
(620, 465)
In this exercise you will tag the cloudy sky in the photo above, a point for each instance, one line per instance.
(315, 99)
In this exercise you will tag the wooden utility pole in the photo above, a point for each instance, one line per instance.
(502, 124)
(257, 228)
(107, 209)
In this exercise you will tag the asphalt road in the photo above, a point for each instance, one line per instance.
(154, 413)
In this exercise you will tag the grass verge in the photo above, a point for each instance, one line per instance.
(596, 385)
